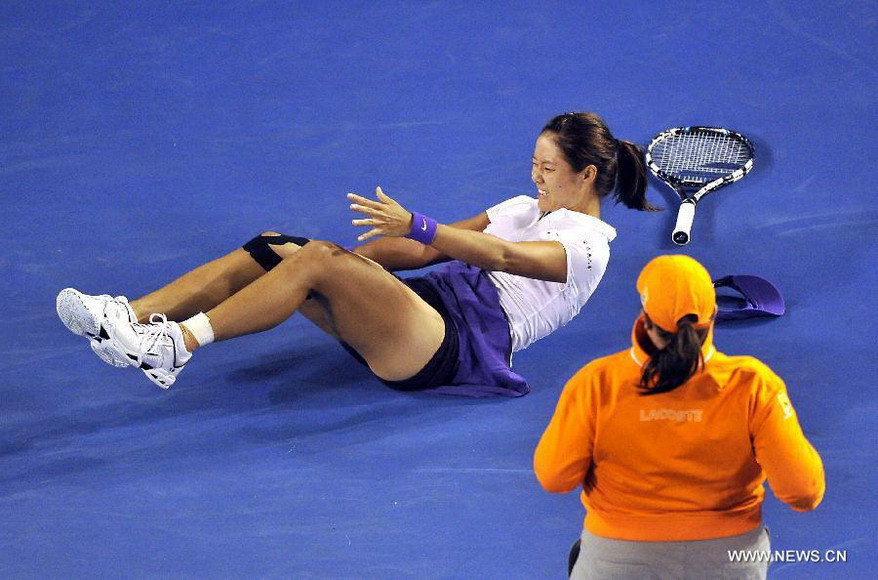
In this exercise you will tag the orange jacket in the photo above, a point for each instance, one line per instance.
(685, 465)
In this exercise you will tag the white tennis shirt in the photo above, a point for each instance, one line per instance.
(533, 307)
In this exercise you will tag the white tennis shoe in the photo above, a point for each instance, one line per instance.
(156, 348)
(89, 316)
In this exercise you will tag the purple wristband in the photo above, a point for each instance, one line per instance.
(423, 229)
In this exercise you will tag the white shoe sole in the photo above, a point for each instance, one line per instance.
(79, 320)
(74, 314)
(159, 379)
(107, 356)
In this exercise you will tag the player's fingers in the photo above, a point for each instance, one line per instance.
(383, 196)
(370, 234)
(359, 199)
(371, 211)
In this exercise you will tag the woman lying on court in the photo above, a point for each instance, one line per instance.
(518, 271)
(672, 441)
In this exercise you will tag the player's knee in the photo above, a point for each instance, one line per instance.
(321, 252)
(323, 259)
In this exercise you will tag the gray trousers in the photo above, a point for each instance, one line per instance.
(606, 559)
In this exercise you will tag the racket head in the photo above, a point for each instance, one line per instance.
(696, 160)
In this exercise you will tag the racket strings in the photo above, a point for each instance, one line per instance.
(702, 155)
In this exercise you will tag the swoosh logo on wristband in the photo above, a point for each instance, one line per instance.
(424, 227)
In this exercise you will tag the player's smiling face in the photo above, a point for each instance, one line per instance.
(558, 185)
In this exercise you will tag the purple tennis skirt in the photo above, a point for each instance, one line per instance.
(474, 359)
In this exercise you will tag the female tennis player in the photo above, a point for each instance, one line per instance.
(672, 442)
(517, 272)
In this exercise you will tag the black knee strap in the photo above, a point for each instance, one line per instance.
(259, 248)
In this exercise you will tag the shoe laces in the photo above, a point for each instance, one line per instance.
(157, 331)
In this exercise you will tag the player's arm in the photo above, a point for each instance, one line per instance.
(792, 465)
(405, 254)
(542, 260)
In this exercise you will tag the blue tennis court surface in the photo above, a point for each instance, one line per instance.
(140, 140)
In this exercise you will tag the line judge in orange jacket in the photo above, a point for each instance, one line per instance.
(672, 442)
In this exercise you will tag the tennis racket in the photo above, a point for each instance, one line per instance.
(695, 161)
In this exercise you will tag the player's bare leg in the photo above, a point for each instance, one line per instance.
(392, 328)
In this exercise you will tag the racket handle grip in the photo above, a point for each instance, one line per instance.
(685, 217)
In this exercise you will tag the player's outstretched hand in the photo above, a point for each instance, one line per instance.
(385, 216)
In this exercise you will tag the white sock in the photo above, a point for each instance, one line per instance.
(199, 326)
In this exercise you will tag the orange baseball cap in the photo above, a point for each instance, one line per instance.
(673, 286)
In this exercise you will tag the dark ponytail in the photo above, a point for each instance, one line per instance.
(673, 365)
(586, 140)
(631, 177)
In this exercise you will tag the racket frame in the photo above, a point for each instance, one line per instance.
(691, 191)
